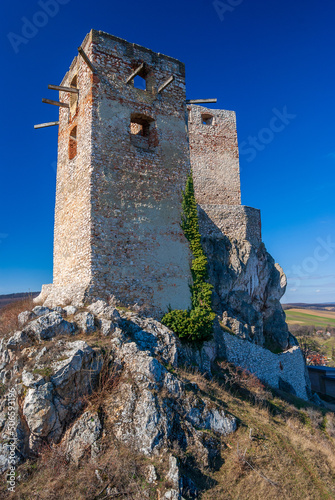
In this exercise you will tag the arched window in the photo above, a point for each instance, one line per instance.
(73, 143)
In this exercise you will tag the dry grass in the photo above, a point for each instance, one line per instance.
(9, 314)
(283, 447)
(117, 473)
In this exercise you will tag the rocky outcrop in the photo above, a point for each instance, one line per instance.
(248, 285)
(148, 406)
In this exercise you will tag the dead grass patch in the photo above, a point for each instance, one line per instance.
(9, 313)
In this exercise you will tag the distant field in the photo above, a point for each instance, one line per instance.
(13, 297)
(314, 317)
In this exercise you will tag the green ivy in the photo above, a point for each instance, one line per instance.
(196, 323)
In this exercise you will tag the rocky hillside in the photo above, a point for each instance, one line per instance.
(103, 403)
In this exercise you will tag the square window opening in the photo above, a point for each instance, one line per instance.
(207, 119)
(140, 125)
(140, 82)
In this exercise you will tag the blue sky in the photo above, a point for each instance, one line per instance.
(270, 61)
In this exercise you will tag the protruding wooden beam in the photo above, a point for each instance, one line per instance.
(135, 73)
(64, 89)
(200, 101)
(43, 125)
(86, 59)
(164, 85)
(56, 103)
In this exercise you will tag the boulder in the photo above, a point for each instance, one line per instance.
(40, 413)
(107, 326)
(25, 316)
(70, 310)
(103, 310)
(82, 437)
(85, 322)
(51, 401)
(20, 340)
(48, 326)
(41, 310)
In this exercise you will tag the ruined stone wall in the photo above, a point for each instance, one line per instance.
(72, 234)
(214, 156)
(286, 371)
(236, 222)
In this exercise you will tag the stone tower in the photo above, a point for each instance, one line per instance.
(123, 159)
(216, 173)
(125, 149)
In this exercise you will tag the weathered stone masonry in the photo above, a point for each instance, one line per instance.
(123, 157)
(216, 172)
(118, 201)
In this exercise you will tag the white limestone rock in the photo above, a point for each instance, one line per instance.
(41, 310)
(151, 474)
(107, 327)
(70, 310)
(40, 412)
(82, 437)
(85, 322)
(25, 316)
(20, 340)
(48, 326)
(103, 310)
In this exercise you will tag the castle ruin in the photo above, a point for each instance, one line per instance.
(124, 154)
(128, 139)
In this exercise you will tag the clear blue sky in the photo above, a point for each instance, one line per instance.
(272, 61)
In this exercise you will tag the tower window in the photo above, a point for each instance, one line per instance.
(143, 133)
(73, 143)
(73, 97)
(207, 119)
(140, 82)
(140, 125)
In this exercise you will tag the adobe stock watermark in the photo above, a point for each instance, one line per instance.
(322, 252)
(31, 27)
(3, 236)
(222, 7)
(254, 144)
(11, 427)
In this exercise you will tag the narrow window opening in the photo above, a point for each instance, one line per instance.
(207, 119)
(73, 97)
(73, 143)
(140, 82)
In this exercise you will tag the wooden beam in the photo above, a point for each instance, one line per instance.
(86, 59)
(43, 125)
(164, 85)
(56, 103)
(64, 89)
(200, 101)
(135, 73)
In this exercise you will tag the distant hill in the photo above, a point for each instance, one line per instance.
(329, 306)
(13, 297)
